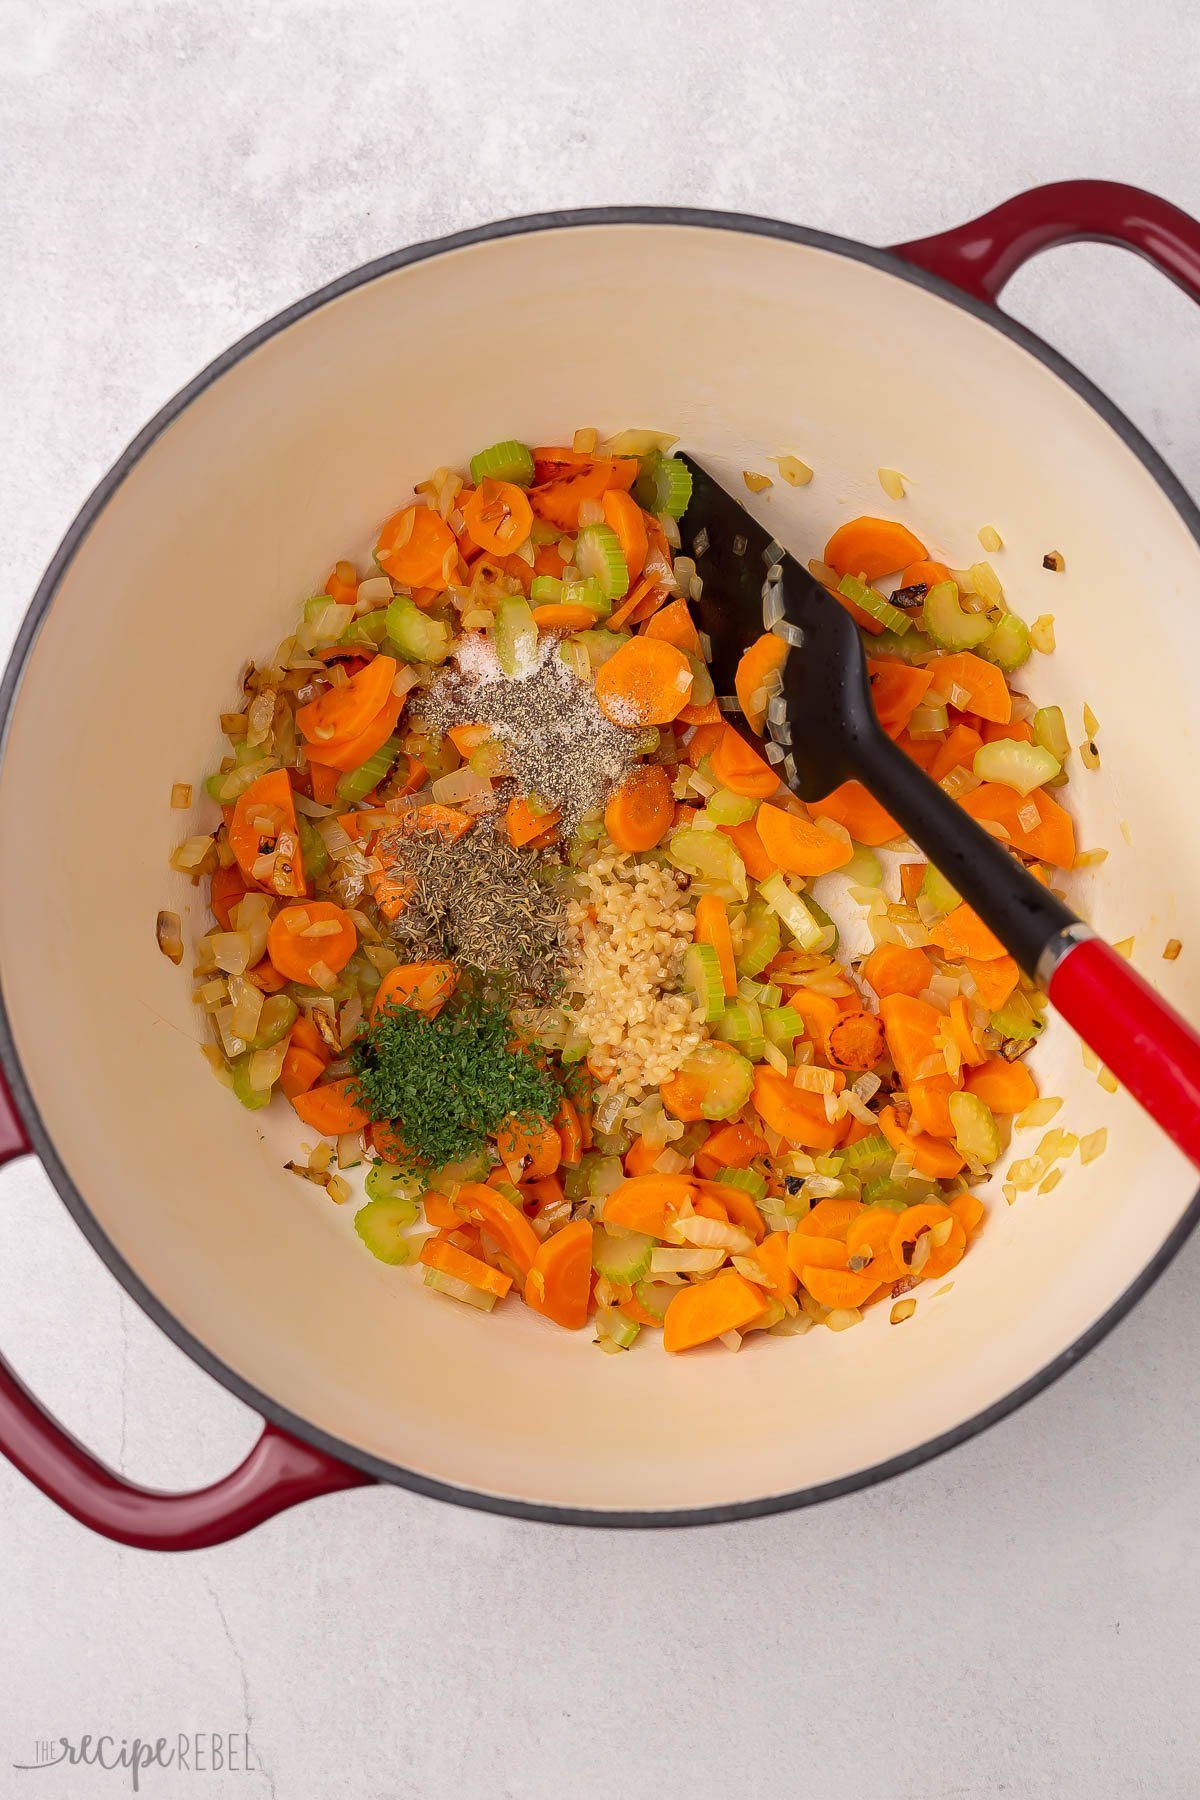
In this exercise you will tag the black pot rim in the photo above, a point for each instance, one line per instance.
(887, 262)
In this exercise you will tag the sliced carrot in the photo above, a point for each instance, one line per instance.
(871, 548)
(559, 1282)
(831, 1217)
(994, 980)
(640, 812)
(436, 1253)
(523, 824)
(502, 1220)
(264, 975)
(570, 1133)
(641, 1156)
(912, 1224)
(737, 1206)
(446, 821)
(912, 1028)
(1052, 838)
(856, 1040)
(968, 1209)
(301, 1071)
(563, 618)
(793, 1112)
(305, 1036)
(1017, 731)
(710, 1208)
(564, 487)
(296, 948)
(930, 1156)
(417, 548)
(765, 658)
(924, 572)
(387, 1141)
(894, 969)
(650, 586)
(646, 682)
(964, 1034)
(535, 1150)
(911, 877)
(750, 847)
(469, 738)
(706, 1309)
(772, 1258)
(1005, 1087)
(674, 625)
(440, 1210)
(227, 888)
(324, 778)
(649, 1203)
(712, 927)
(264, 822)
(838, 1288)
(330, 1109)
(735, 1145)
(811, 1250)
(820, 1013)
(872, 1231)
(346, 753)
(897, 689)
(422, 986)
(700, 743)
(796, 845)
(930, 1102)
(624, 515)
(963, 933)
(498, 516)
(861, 814)
(342, 584)
(739, 768)
(345, 712)
(982, 682)
(956, 751)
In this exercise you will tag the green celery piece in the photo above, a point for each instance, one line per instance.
(508, 460)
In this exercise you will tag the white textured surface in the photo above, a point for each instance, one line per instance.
(1016, 1619)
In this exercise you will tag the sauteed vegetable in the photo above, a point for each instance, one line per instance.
(512, 910)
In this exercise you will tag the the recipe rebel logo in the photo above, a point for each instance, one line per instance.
(191, 1753)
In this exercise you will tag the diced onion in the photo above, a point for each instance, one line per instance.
(460, 784)
(169, 932)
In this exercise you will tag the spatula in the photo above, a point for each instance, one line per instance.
(825, 723)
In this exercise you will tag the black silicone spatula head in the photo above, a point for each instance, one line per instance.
(751, 584)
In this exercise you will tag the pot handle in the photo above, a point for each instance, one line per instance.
(279, 1472)
(982, 255)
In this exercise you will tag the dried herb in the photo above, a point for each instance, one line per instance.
(448, 1082)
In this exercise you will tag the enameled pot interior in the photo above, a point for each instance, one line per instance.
(745, 346)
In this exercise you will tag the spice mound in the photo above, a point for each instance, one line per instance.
(626, 939)
(559, 745)
(477, 900)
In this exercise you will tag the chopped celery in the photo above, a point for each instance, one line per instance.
(587, 593)
(897, 1196)
(415, 635)
(326, 618)
(792, 910)
(935, 894)
(623, 1257)
(760, 938)
(1016, 1018)
(726, 1075)
(828, 941)
(664, 485)
(654, 1297)
(450, 1285)
(371, 628)
(613, 1327)
(575, 1048)
(599, 557)
(385, 1181)
(709, 855)
(575, 1181)
(1015, 765)
(604, 1172)
(782, 1026)
(946, 622)
(313, 853)
(975, 1130)
(870, 1155)
(741, 1024)
(546, 590)
(475, 1167)
(380, 1224)
(253, 1099)
(1050, 732)
(911, 646)
(864, 868)
(489, 758)
(357, 783)
(276, 1019)
(516, 635)
(724, 808)
(870, 601)
(1008, 645)
(598, 646)
(703, 981)
(225, 789)
(508, 460)
(750, 1180)
(766, 993)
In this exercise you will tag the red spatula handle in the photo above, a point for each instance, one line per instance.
(1152, 1051)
